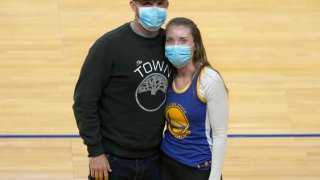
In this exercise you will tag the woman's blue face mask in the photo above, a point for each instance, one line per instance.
(152, 18)
(178, 55)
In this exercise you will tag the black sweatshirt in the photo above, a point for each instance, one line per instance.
(118, 99)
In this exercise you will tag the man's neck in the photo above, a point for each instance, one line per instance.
(140, 30)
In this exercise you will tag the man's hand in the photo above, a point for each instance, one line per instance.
(99, 167)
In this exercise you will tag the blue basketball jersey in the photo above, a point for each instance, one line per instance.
(186, 136)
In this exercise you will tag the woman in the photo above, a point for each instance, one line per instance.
(196, 111)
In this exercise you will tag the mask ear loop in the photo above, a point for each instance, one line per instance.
(195, 47)
(137, 10)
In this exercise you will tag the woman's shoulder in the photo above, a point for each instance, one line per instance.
(208, 74)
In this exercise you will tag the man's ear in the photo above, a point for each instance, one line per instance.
(133, 6)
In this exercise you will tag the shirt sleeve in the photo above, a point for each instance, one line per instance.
(94, 75)
(213, 90)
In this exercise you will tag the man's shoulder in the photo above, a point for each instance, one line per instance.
(115, 34)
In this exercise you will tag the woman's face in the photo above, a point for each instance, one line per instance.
(179, 35)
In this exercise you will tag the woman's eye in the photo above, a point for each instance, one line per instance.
(183, 41)
(168, 40)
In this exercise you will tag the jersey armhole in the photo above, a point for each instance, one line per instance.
(202, 99)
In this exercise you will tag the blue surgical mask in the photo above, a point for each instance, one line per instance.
(178, 55)
(152, 18)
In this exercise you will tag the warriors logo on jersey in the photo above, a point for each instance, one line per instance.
(177, 121)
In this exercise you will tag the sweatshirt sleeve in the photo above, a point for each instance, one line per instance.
(213, 90)
(94, 75)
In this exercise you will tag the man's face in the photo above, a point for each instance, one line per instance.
(159, 3)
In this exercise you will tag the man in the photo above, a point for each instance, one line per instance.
(118, 99)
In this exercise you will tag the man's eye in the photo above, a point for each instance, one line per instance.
(147, 4)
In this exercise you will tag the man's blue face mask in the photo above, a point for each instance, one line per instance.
(178, 55)
(152, 18)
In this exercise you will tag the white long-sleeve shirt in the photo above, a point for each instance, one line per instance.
(212, 90)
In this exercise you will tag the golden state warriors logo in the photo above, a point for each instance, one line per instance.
(178, 123)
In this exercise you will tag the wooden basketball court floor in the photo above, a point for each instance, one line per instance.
(268, 51)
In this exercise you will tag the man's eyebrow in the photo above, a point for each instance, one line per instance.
(153, 1)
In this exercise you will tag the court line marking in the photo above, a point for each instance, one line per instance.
(271, 135)
(66, 136)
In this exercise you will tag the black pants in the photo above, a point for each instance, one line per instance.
(134, 169)
(173, 170)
